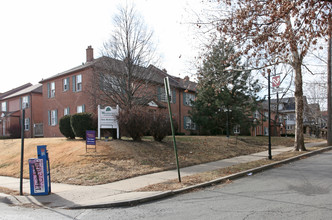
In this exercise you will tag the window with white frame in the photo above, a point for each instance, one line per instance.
(256, 114)
(25, 102)
(26, 124)
(65, 84)
(189, 124)
(189, 98)
(4, 106)
(52, 90)
(66, 111)
(54, 117)
(266, 131)
(266, 114)
(80, 108)
(79, 82)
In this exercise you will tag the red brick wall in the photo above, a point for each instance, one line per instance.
(64, 99)
(72, 99)
(33, 112)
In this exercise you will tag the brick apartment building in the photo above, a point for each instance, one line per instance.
(12, 102)
(67, 93)
(285, 121)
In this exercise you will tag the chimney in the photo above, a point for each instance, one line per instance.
(186, 78)
(89, 54)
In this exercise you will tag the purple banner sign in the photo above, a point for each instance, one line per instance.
(90, 137)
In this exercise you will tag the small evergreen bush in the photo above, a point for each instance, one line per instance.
(65, 127)
(81, 122)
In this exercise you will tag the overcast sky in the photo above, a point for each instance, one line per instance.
(42, 38)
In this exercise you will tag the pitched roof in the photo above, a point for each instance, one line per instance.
(33, 88)
(12, 91)
(117, 66)
(77, 68)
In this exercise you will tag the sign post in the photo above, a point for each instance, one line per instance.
(22, 150)
(168, 91)
(90, 139)
(107, 118)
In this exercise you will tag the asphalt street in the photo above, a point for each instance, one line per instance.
(300, 190)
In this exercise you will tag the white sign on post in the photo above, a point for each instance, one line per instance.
(107, 119)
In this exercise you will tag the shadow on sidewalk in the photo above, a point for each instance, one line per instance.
(51, 201)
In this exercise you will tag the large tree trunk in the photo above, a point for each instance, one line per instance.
(299, 138)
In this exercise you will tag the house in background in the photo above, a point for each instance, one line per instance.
(12, 102)
(283, 118)
(68, 93)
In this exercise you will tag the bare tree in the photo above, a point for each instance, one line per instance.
(121, 74)
(276, 31)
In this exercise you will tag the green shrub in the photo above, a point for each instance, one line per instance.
(134, 122)
(65, 127)
(81, 122)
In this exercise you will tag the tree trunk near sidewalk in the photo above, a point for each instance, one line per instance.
(299, 137)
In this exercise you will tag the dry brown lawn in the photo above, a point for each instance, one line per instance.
(121, 159)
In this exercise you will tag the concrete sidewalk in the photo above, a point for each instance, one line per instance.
(119, 193)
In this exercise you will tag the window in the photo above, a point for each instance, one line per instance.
(79, 83)
(236, 129)
(256, 114)
(266, 131)
(53, 117)
(25, 102)
(292, 117)
(26, 124)
(162, 95)
(188, 98)
(66, 111)
(266, 114)
(52, 90)
(65, 84)
(4, 106)
(80, 108)
(189, 124)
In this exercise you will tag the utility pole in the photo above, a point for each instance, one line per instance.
(329, 92)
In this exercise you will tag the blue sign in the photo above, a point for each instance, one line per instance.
(90, 137)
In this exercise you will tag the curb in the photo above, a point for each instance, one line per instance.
(166, 194)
